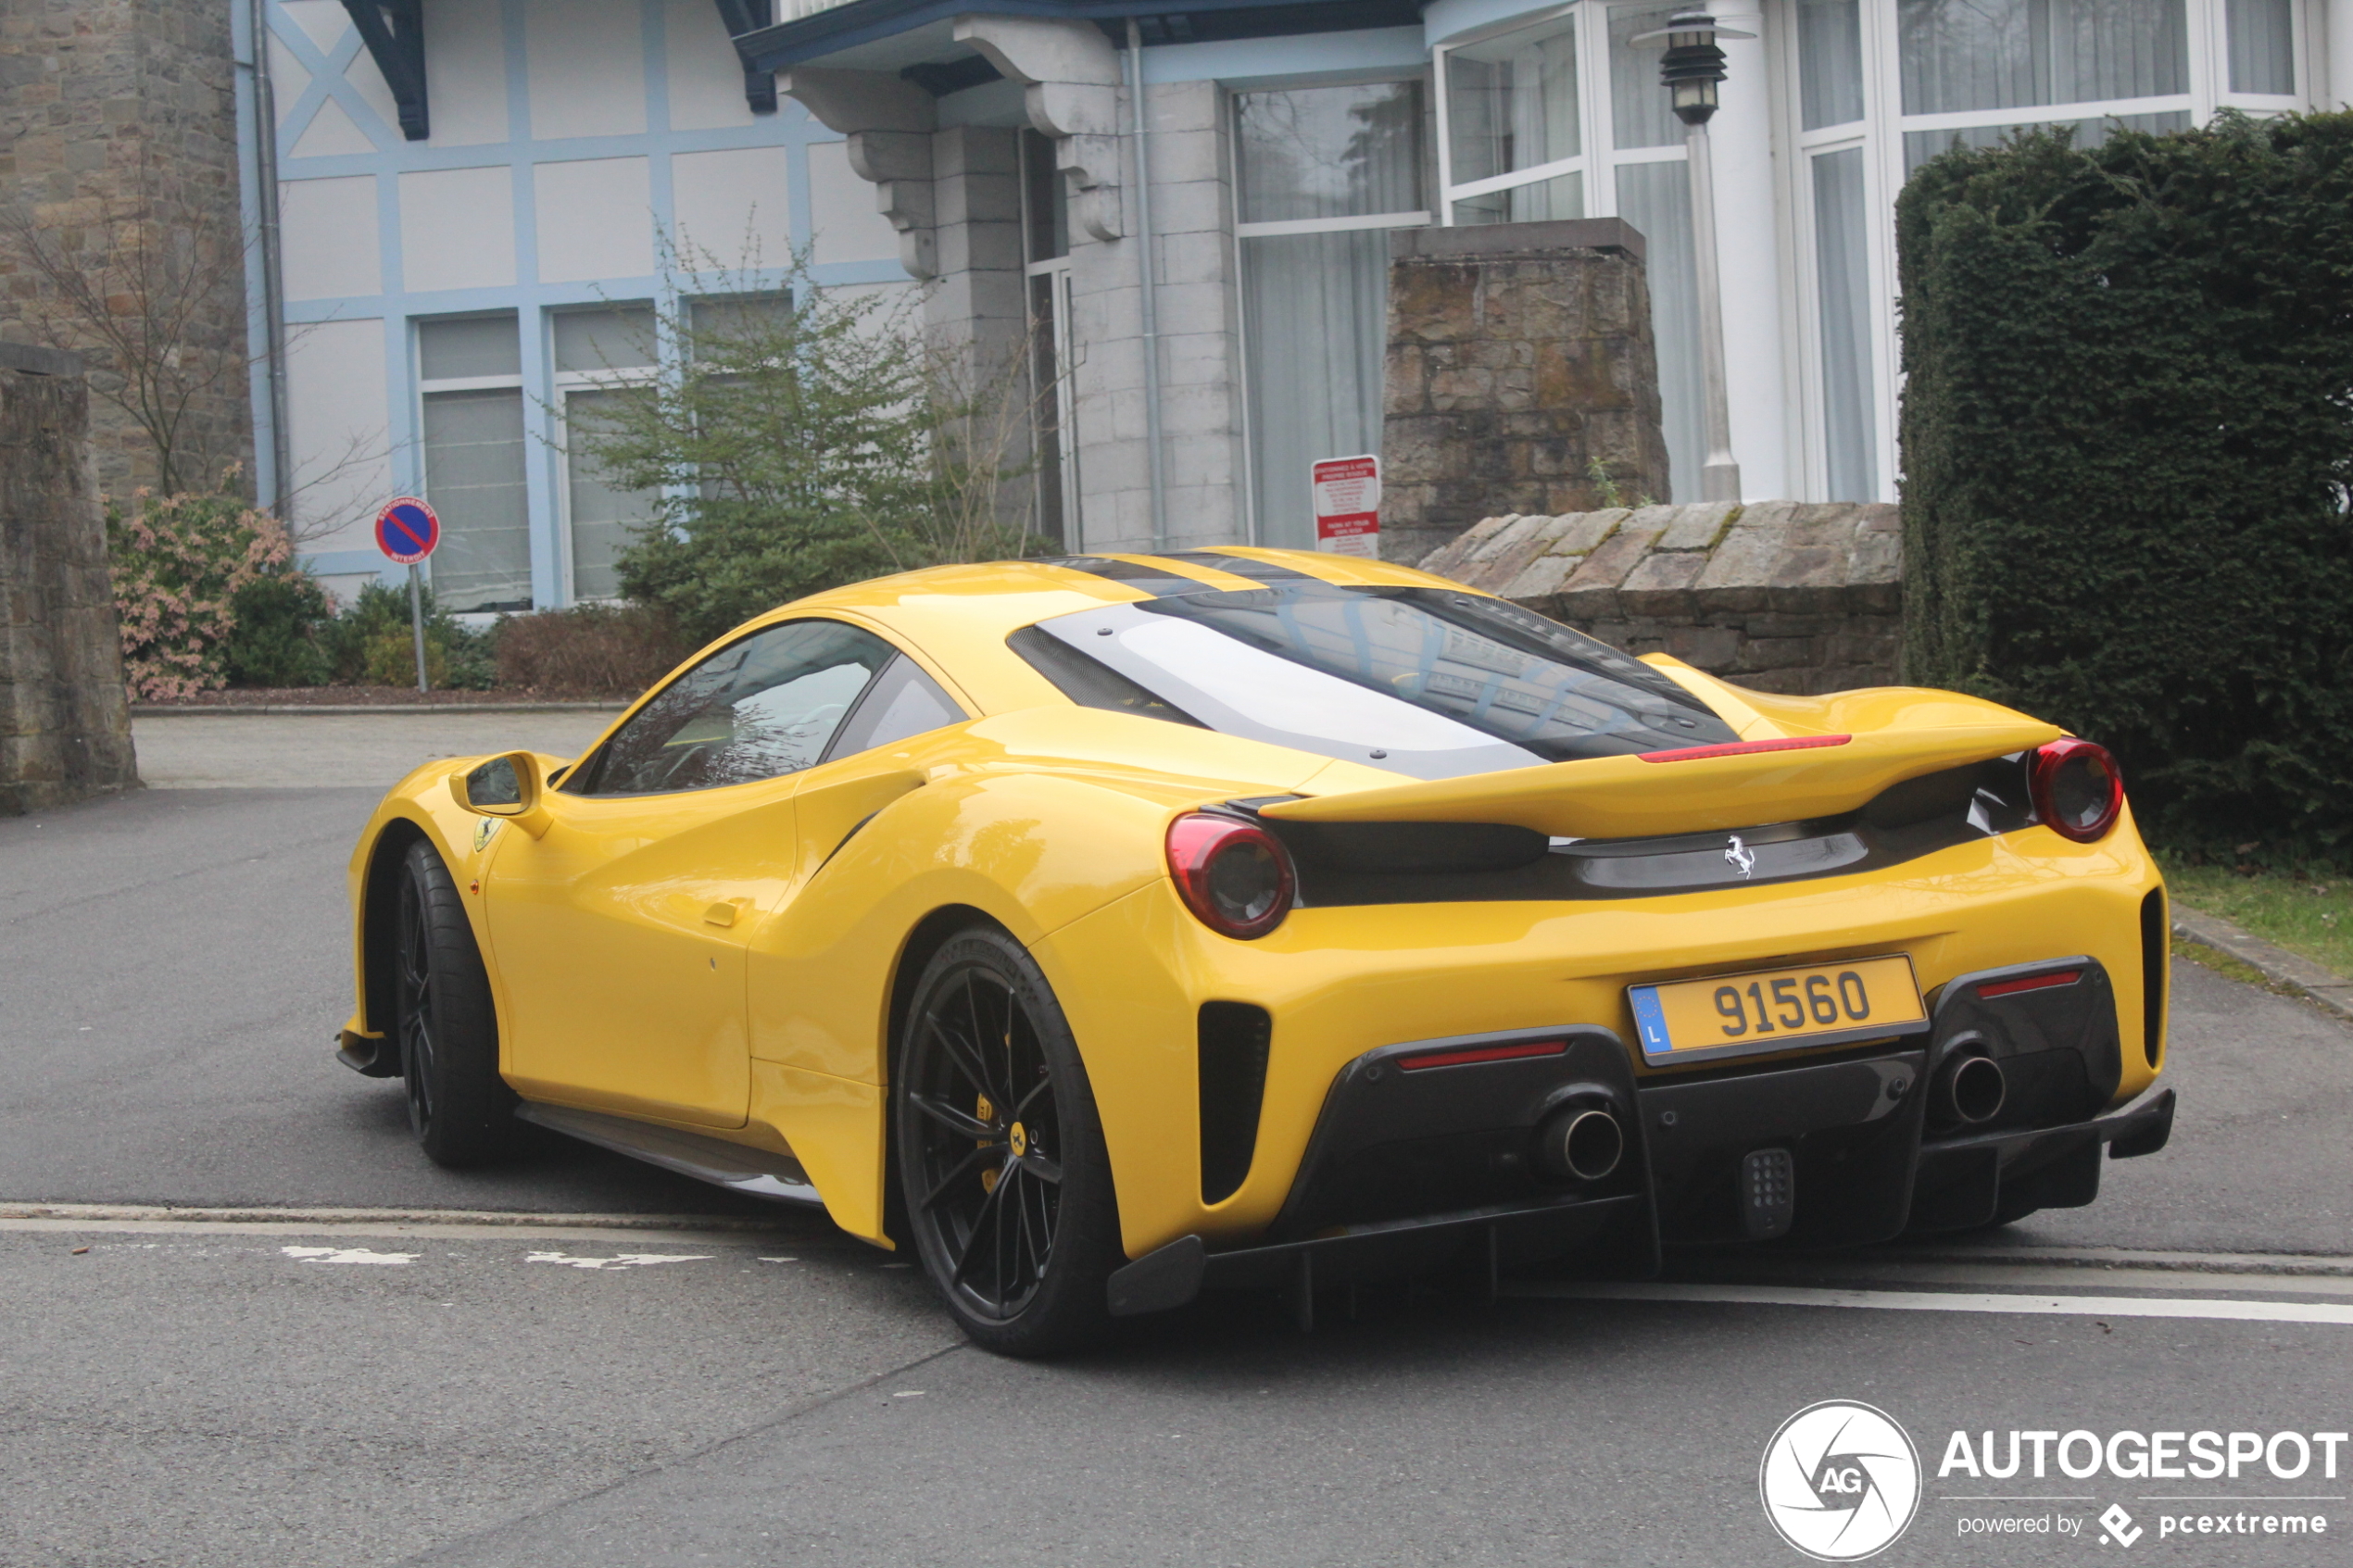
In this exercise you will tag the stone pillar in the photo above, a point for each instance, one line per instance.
(123, 152)
(65, 720)
(1520, 356)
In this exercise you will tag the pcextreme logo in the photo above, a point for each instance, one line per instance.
(1840, 1481)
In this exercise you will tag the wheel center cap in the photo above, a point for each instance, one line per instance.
(1020, 1140)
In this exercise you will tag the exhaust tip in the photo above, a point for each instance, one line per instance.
(1972, 1089)
(1582, 1142)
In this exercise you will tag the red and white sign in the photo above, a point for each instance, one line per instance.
(1348, 506)
(407, 530)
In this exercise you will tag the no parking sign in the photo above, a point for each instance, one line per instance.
(407, 530)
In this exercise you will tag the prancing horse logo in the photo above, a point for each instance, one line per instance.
(1740, 856)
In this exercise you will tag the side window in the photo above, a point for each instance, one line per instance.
(762, 707)
(903, 701)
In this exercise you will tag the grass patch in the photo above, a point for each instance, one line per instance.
(2224, 965)
(2312, 916)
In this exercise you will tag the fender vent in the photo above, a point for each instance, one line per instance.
(2156, 949)
(1234, 1040)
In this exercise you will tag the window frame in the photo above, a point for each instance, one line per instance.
(1228, 107)
(562, 386)
(423, 389)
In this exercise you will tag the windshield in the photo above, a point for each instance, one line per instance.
(1422, 681)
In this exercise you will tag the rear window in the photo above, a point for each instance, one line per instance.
(1422, 681)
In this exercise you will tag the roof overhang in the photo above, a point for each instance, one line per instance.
(914, 36)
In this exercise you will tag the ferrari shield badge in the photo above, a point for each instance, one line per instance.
(483, 830)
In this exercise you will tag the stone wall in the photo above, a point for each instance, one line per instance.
(1780, 596)
(120, 156)
(64, 724)
(1520, 362)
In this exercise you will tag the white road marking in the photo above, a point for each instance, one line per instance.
(624, 1260)
(1951, 1302)
(347, 1255)
(439, 1224)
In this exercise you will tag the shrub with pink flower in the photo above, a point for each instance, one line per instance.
(178, 562)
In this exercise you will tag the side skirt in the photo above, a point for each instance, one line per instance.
(755, 1173)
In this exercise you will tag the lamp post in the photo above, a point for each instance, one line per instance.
(1690, 69)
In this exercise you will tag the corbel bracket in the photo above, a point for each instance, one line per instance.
(394, 33)
(888, 122)
(1070, 77)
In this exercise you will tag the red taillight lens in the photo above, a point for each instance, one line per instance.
(1231, 873)
(2078, 791)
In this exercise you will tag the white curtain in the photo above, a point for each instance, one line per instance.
(1542, 201)
(1511, 101)
(1316, 306)
(1959, 55)
(475, 479)
(1656, 198)
(1922, 146)
(2263, 46)
(1829, 62)
(603, 515)
(1329, 152)
(1842, 263)
(1641, 112)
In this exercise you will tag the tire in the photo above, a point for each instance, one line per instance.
(460, 1108)
(1003, 1168)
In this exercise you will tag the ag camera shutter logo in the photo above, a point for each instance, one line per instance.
(1840, 1481)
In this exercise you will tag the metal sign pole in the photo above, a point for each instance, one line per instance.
(417, 624)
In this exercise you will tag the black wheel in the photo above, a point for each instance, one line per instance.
(462, 1111)
(1001, 1164)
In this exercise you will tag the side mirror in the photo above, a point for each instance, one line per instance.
(505, 787)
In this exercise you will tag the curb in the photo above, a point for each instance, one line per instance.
(282, 710)
(2282, 968)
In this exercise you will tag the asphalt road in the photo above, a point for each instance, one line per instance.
(172, 964)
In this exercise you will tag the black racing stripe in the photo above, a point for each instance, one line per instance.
(1243, 566)
(1160, 584)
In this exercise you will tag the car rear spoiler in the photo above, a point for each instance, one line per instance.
(1699, 789)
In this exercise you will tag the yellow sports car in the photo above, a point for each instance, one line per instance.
(1111, 927)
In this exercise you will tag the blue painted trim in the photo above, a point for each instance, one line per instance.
(1443, 19)
(345, 563)
(1383, 48)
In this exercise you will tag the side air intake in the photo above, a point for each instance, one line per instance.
(1234, 1040)
(2156, 952)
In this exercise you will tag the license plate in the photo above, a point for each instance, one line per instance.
(1777, 1010)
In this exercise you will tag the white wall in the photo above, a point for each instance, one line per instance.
(340, 432)
(734, 206)
(330, 245)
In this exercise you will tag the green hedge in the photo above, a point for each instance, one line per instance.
(2128, 439)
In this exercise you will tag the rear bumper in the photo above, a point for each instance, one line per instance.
(1853, 1133)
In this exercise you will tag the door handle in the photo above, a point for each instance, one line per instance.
(721, 913)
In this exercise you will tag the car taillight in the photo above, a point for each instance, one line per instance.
(2078, 792)
(1231, 873)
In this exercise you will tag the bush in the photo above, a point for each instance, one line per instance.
(2128, 448)
(373, 644)
(592, 649)
(812, 438)
(178, 564)
(282, 618)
